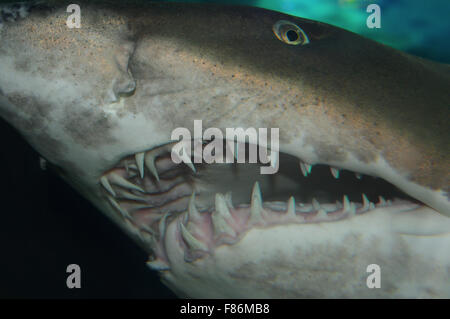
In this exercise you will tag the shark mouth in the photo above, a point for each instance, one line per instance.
(216, 204)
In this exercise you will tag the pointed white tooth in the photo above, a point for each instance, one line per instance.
(158, 265)
(358, 176)
(120, 181)
(335, 172)
(126, 195)
(371, 206)
(308, 168)
(149, 160)
(256, 205)
(122, 211)
(321, 214)
(139, 157)
(316, 204)
(291, 207)
(191, 166)
(388, 202)
(104, 181)
(304, 170)
(186, 159)
(192, 242)
(346, 203)
(366, 202)
(194, 215)
(382, 201)
(221, 207)
(220, 216)
(339, 205)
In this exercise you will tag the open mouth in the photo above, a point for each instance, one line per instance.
(216, 204)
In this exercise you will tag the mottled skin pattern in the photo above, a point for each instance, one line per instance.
(85, 98)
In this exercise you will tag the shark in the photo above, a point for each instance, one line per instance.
(359, 206)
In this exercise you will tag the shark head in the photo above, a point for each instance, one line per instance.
(362, 155)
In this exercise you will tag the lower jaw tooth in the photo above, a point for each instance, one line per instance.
(256, 205)
(291, 207)
(382, 201)
(122, 211)
(158, 265)
(316, 204)
(120, 181)
(191, 241)
(321, 214)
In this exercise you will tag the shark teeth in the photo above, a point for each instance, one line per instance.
(366, 202)
(291, 207)
(122, 182)
(334, 172)
(105, 183)
(382, 201)
(316, 204)
(158, 265)
(149, 160)
(192, 242)
(346, 203)
(256, 205)
(220, 217)
(122, 211)
(305, 168)
(140, 163)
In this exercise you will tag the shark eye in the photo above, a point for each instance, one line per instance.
(290, 33)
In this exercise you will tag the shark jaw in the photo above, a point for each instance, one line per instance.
(197, 218)
(103, 113)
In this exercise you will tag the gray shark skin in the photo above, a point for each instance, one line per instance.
(100, 103)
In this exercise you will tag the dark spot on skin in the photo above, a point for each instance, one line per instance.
(89, 128)
(22, 65)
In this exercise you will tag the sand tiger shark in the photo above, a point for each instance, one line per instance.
(364, 148)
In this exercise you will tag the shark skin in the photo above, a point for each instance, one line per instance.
(100, 102)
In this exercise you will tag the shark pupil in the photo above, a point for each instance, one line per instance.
(292, 35)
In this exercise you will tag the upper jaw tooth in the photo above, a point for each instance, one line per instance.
(140, 163)
(149, 160)
(306, 168)
(335, 172)
(104, 181)
(120, 181)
